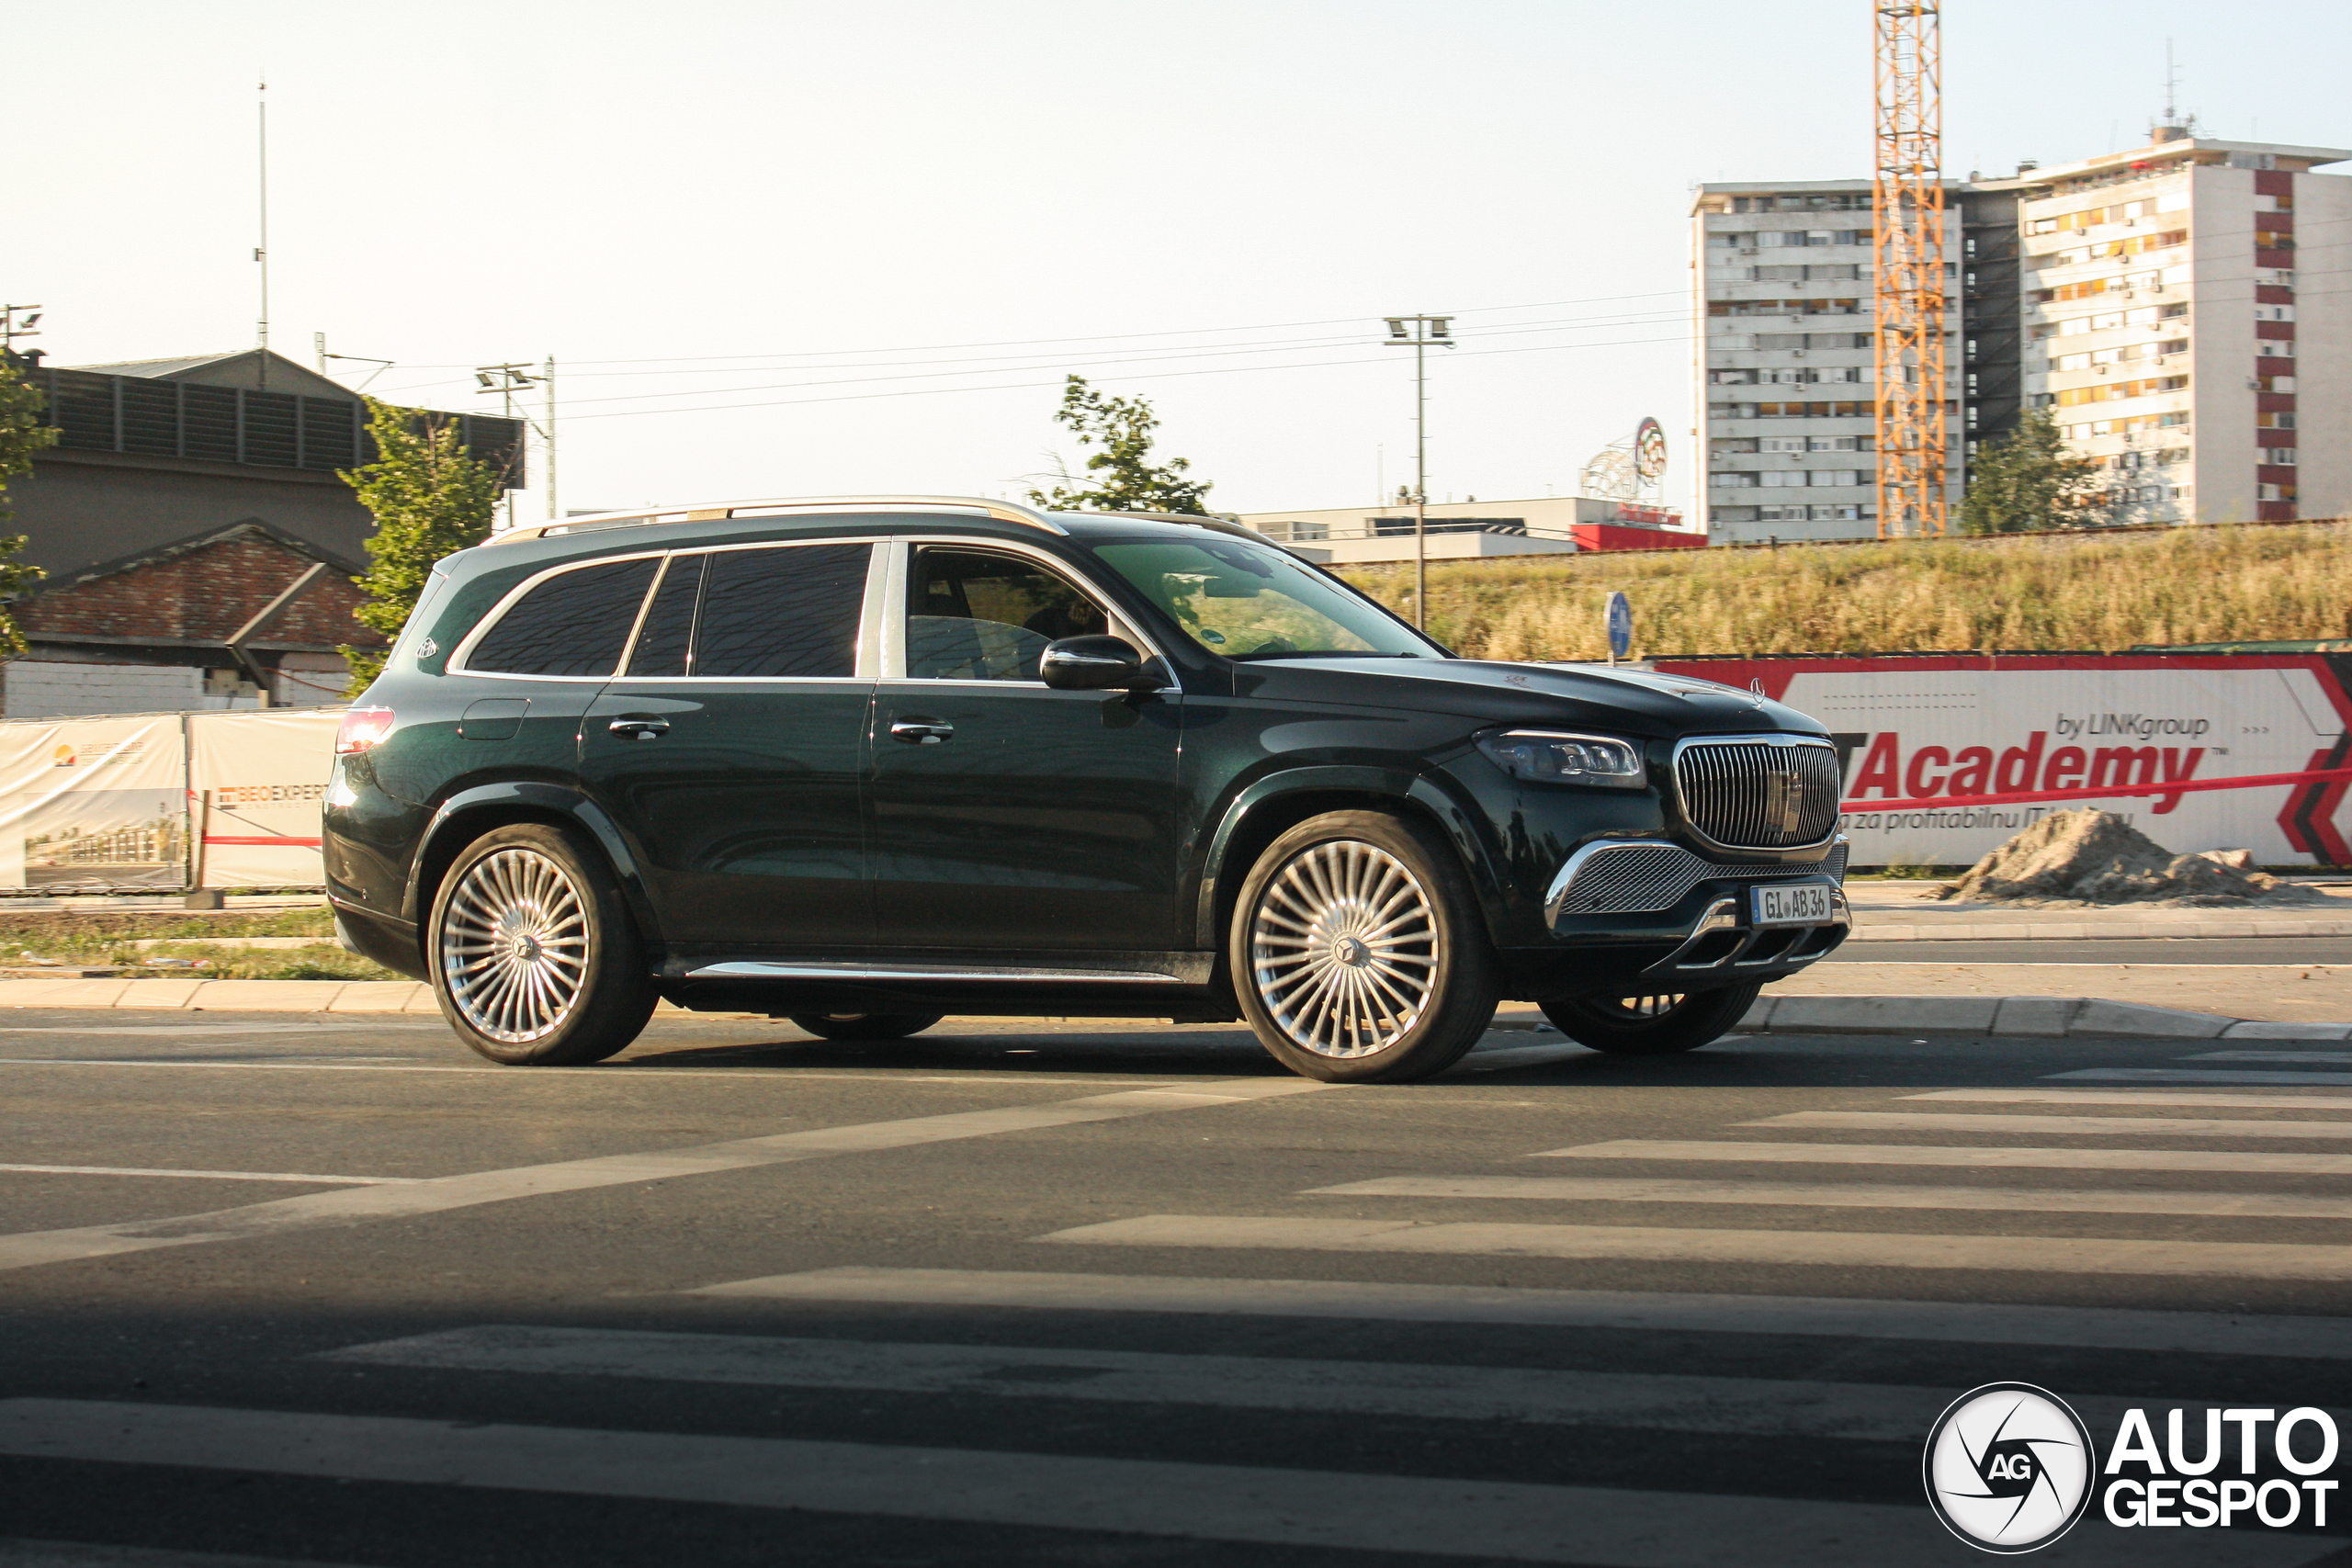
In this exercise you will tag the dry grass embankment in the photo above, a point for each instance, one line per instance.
(2035, 590)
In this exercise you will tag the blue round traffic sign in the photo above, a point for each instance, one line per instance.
(1621, 625)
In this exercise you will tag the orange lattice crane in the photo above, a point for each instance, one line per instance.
(1908, 217)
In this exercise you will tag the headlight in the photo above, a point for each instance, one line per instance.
(1551, 756)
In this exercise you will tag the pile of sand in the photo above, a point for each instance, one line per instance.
(2096, 857)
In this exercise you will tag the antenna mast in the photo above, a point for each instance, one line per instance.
(261, 249)
(1908, 218)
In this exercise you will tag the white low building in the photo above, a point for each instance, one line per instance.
(1468, 530)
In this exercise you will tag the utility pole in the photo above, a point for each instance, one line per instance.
(547, 378)
(505, 381)
(1907, 232)
(1420, 334)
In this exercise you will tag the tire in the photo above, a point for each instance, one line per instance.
(1653, 1026)
(1358, 952)
(864, 1025)
(535, 959)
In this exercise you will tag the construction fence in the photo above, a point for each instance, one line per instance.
(164, 802)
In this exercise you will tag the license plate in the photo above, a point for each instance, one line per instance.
(1792, 904)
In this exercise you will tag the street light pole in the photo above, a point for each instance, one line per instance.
(505, 381)
(1420, 334)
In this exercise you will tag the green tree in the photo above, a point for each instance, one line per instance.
(429, 496)
(2026, 480)
(1125, 477)
(23, 432)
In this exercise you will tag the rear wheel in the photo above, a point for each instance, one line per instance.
(1653, 1026)
(535, 959)
(1358, 953)
(864, 1025)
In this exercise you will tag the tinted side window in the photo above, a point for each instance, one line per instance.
(575, 623)
(662, 645)
(976, 616)
(788, 611)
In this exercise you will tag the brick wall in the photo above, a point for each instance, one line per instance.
(205, 592)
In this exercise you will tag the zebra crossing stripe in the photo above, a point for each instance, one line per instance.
(2201, 1075)
(2098, 1126)
(1850, 1195)
(1961, 1155)
(1507, 1520)
(2140, 1097)
(1839, 1249)
(1844, 1317)
(2341, 1057)
(31, 1248)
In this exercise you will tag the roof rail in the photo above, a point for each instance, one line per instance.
(720, 511)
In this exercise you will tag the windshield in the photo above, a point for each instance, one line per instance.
(1245, 601)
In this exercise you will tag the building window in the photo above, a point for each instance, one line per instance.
(2278, 456)
(1732, 481)
(2272, 421)
(2277, 492)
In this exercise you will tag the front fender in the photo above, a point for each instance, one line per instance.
(1464, 824)
(524, 799)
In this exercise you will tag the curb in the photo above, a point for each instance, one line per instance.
(2035, 1018)
(2040, 1017)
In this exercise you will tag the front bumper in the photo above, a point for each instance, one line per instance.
(1631, 916)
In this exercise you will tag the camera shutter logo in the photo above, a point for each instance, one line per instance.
(2008, 1468)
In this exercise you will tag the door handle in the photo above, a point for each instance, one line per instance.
(921, 731)
(643, 728)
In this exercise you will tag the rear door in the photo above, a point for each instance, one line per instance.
(731, 747)
(1006, 814)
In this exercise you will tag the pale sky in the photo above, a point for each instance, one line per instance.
(759, 239)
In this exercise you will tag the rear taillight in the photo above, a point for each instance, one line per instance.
(361, 728)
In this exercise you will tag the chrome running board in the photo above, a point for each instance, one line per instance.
(990, 974)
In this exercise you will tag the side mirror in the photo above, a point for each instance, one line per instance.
(1099, 664)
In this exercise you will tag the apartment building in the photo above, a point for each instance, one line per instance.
(1783, 340)
(2184, 308)
(2184, 314)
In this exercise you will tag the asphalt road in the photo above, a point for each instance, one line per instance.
(288, 1290)
(2106, 949)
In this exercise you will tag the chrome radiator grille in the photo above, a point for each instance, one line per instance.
(1643, 878)
(1754, 794)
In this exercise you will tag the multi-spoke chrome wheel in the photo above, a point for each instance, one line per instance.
(1344, 948)
(515, 945)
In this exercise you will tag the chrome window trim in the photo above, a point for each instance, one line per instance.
(894, 629)
(458, 664)
(1759, 737)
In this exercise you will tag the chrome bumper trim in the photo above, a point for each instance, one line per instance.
(1642, 877)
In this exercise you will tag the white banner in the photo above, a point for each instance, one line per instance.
(1915, 728)
(94, 803)
(256, 785)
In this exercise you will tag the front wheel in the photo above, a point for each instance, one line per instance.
(535, 961)
(862, 1025)
(1358, 952)
(1653, 1026)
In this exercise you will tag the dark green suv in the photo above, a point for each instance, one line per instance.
(867, 763)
